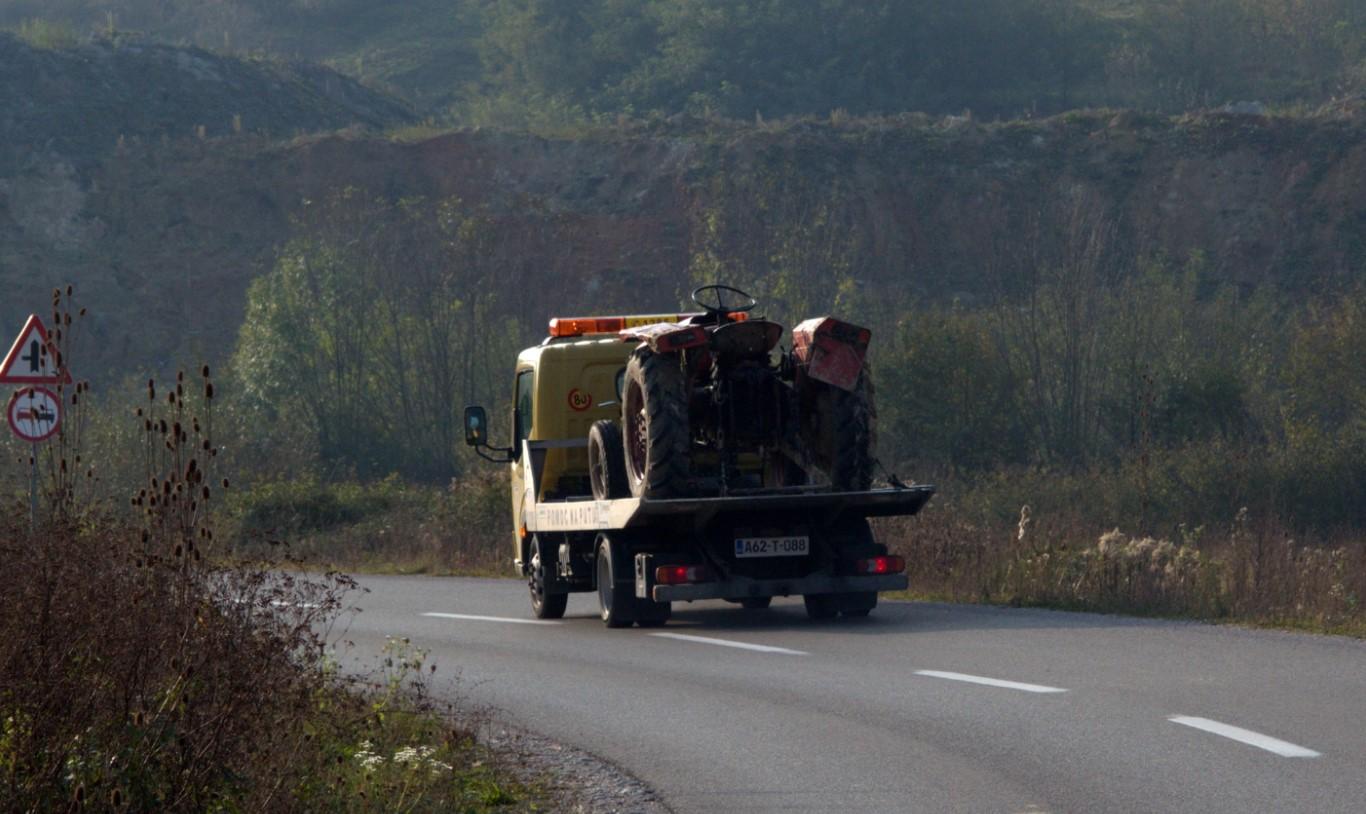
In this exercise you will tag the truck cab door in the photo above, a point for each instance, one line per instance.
(523, 405)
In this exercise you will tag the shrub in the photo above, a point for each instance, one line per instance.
(47, 34)
(384, 525)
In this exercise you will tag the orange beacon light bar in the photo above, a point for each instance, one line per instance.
(578, 326)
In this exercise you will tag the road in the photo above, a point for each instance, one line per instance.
(921, 707)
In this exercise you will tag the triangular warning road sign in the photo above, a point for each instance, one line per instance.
(32, 359)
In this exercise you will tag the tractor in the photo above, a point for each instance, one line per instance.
(712, 406)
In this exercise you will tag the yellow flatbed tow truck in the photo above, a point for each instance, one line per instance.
(746, 517)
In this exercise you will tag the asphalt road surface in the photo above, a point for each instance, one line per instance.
(921, 707)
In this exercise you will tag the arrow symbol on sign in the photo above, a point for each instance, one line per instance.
(32, 357)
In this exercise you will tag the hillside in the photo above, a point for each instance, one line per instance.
(166, 237)
(78, 102)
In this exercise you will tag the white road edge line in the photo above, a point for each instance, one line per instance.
(990, 682)
(758, 648)
(1247, 736)
(470, 617)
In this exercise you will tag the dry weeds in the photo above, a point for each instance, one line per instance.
(1255, 572)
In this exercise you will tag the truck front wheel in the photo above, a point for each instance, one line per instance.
(540, 578)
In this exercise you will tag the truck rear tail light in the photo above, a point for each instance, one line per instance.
(681, 574)
(880, 565)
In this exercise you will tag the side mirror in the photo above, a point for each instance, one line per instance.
(476, 427)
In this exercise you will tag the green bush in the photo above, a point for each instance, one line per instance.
(47, 34)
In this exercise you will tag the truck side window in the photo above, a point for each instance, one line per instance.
(522, 430)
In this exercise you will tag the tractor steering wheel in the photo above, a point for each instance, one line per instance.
(745, 301)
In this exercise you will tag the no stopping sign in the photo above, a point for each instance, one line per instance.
(34, 414)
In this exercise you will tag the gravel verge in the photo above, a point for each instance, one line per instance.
(580, 782)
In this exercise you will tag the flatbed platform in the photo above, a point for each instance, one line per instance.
(605, 515)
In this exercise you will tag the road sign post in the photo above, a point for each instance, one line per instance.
(33, 490)
(34, 412)
(34, 415)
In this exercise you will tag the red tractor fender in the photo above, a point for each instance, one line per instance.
(666, 337)
(830, 350)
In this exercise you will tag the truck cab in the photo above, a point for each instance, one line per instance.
(559, 389)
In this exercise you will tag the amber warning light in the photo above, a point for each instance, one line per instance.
(579, 326)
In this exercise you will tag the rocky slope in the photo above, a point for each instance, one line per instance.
(79, 102)
(164, 235)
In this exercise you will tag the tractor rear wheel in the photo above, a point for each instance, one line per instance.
(655, 420)
(840, 430)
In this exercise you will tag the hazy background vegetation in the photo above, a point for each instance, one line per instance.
(519, 62)
(1080, 372)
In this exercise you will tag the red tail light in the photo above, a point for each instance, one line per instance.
(681, 574)
(881, 565)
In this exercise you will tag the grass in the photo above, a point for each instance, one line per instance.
(389, 526)
(1251, 572)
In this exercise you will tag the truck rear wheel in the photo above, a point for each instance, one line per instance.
(822, 606)
(616, 601)
(606, 461)
(655, 423)
(858, 603)
(540, 577)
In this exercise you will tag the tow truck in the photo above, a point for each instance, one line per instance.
(661, 458)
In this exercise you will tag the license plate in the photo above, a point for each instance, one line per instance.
(772, 546)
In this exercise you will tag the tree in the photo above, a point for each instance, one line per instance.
(377, 325)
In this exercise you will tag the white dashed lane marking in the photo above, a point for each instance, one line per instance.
(758, 648)
(989, 682)
(470, 617)
(1247, 736)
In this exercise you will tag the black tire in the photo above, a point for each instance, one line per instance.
(821, 606)
(655, 426)
(841, 430)
(606, 461)
(540, 577)
(756, 602)
(616, 599)
(854, 435)
(854, 539)
(653, 614)
(858, 603)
